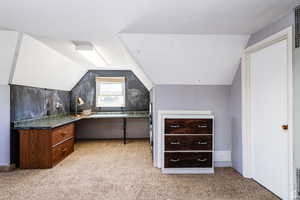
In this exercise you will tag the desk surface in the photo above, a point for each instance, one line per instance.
(56, 121)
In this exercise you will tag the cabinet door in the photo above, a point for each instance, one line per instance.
(35, 149)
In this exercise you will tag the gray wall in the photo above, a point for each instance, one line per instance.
(4, 125)
(236, 121)
(31, 102)
(192, 97)
(297, 108)
(111, 129)
(137, 95)
(271, 29)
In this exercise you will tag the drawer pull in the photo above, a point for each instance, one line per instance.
(175, 126)
(175, 143)
(63, 134)
(202, 143)
(202, 126)
(64, 150)
(175, 160)
(202, 160)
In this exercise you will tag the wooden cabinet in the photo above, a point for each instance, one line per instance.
(41, 149)
(188, 145)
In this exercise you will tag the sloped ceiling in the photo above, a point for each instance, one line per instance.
(103, 22)
(8, 41)
(40, 66)
(188, 59)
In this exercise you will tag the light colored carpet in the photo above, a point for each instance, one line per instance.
(112, 171)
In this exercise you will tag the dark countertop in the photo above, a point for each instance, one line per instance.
(60, 120)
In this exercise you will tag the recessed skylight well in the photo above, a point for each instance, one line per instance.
(89, 52)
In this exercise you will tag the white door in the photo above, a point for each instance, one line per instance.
(269, 111)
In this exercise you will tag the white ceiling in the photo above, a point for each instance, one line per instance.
(57, 22)
(187, 59)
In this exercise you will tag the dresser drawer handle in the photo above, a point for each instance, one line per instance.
(175, 126)
(175, 160)
(202, 126)
(202, 160)
(202, 143)
(63, 134)
(64, 150)
(175, 143)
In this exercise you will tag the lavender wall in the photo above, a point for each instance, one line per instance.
(195, 97)
(271, 29)
(236, 121)
(4, 125)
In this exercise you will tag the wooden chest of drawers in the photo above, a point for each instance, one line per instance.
(188, 145)
(41, 149)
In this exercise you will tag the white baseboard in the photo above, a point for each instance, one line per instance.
(188, 171)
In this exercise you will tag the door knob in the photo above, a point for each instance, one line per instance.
(285, 127)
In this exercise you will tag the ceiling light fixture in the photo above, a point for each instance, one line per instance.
(88, 51)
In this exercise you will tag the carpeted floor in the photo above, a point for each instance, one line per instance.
(112, 171)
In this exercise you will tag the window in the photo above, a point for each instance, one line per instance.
(110, 91)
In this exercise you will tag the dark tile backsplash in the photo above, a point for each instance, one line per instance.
(31, 102)
(137, 95)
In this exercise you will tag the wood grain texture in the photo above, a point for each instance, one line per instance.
(62, 150)
(183, 142)
(63, 133)
(188, 126)
(40, 149)
(35, 149)
(188, 160)
(185, 135)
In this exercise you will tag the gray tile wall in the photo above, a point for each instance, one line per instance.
(137, 95)
(31, 102)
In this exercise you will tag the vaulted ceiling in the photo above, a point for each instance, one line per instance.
(156, 39)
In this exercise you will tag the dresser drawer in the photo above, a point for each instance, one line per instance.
(62, 150)
(188, 126)
(62, 133)
(188, 160)
(199, 123)
(176, 126)
(203, 142)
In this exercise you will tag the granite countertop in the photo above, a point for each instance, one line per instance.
(60, 120)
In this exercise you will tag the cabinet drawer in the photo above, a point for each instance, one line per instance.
(188, 160)
(199, 123)
(188, 126)
(203, 142)
(62, 150)
(62, 133)
(176, 126)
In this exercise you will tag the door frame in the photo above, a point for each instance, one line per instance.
(286, 34)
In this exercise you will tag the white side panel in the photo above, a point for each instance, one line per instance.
(269, 111)
(40, 66)
(4, 125)
(8, 41)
